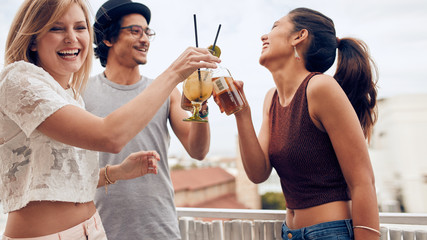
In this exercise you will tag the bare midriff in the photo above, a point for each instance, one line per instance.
(41, 218)
(333, 211)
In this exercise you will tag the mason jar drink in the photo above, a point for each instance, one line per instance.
(230, 98)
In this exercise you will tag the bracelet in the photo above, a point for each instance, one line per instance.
(107, 179)
(204, 113)
(368, 228)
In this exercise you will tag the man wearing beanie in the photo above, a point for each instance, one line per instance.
(141, 208)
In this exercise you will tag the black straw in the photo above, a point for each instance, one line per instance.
(195, 30)
(197, 45)
(216, 37)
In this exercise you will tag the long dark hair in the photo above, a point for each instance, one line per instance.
(356, 71)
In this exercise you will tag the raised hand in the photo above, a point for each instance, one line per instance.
(191, 60)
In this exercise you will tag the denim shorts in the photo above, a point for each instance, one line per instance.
(335, 230)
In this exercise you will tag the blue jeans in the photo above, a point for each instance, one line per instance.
(335, 230)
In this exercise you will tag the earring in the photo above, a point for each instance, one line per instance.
(297, 57)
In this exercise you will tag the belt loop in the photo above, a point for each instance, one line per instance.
(303, 233)
(349, 224)
(85, 229)
(94, 220)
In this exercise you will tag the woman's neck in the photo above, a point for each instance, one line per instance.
(288, 79)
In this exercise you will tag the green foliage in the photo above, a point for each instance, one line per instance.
(273, 200)
(177, 167)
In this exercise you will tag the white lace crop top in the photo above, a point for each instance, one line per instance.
(34, 167)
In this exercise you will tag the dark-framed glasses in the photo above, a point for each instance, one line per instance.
(138, 31)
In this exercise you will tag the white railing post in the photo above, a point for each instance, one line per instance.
(191, 230)
(183, 228)
(207, 231)
(384, 233)
(421, 235)
(247, 230)
(217, 230)
(269, 230)
(236, 230)
(199, 229)
(258, 230)
(227, 230)
(395, 234)
(408, 235)
(278, 229)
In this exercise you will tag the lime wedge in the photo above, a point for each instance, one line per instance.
(216, 51)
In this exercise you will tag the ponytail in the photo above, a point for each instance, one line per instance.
(357, 74)
(356, 71)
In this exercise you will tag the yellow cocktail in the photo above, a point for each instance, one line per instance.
(197, 88)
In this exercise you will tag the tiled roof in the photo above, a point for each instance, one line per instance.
(193, 179)
(224, 201)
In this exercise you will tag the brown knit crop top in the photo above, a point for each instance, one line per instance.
(303, 155)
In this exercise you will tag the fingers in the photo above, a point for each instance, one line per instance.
(191, 60)
(202, 58)
(152, 165)
(152, 158)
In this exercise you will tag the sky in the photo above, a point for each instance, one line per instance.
(394, 31)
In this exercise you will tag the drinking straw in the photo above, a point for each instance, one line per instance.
(197, 45)
(195, 30)
(216, 37)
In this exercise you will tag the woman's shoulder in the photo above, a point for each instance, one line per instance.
(322, 84)
(269, 95)
(21, 69)
(268, 99)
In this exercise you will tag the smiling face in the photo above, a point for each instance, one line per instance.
(64, 48)
(277, 45)
(129, 50)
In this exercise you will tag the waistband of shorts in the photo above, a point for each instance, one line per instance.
(78, 231)
(345, 223)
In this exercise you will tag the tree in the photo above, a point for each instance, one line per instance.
(273, 200)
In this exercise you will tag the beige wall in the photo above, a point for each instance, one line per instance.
(191, 198)
(399, 151)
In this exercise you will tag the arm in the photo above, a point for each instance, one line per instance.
(135, 165)
(195, 137)
(331, 111)
(77, 127)
(253, 150)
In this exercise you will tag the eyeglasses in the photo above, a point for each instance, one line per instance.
(137, 31)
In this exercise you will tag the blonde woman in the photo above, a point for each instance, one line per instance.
(48, 168)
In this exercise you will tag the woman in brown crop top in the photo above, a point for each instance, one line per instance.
(317, 119)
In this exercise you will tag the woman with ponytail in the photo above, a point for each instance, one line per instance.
(315, 129)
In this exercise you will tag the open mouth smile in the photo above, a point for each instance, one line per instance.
(69, 53)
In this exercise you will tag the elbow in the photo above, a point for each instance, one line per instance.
(198, 152)
(116, 149)
(256, 180)
(112, 145)
(199, 155)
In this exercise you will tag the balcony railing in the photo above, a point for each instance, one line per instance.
(244, 224)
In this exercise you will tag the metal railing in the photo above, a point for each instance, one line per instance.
(249, 224)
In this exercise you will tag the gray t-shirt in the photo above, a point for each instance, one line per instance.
(141, 208)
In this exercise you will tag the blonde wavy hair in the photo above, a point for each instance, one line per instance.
(34, 19)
